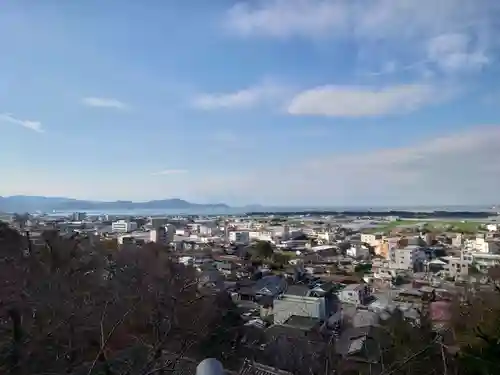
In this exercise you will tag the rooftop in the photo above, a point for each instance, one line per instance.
(255, 368)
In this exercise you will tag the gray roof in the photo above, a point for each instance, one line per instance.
(275, 284)
(298, 290)
(255, 368)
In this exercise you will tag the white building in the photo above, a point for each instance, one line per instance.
(358, 251)
(240, 237)
(78, 216)
(125, 240)
(264, 235)
(492, 227)
(406, 258)
(123, 226)
(484, 261)
(356, 294)
(288, 304)
(456, 266)
(373, 240)
(326, 237)
(480, 244)
(187, 260)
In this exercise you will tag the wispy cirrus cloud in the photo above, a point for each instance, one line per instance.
(104, 103)
(28, 124)
(166, 172)
(456, 52)
(458, 33)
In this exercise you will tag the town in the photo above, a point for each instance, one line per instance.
(310, 276)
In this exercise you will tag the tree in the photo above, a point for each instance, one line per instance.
(263, 250)
(21, 219)
(279, 259)
(68, 307)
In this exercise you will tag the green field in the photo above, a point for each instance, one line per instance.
(433, 225)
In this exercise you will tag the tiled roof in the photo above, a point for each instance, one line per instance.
(255, 368)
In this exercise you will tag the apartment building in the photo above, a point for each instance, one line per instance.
(406, 258)
(157, 222)
(239, 237)
(123, 226)
(262, 235)
(163, 235)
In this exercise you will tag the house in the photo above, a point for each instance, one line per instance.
(226, 267)
(360, 344)
(211, 278)
(256, 368)
(357, 294)
(324, 288)
(298, 302)
(271, 285)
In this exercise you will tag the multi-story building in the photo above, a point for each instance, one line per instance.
(239, 237)
(163, 235)
(373, 240)
(480, 244)
(123, 226)
(385, 245)
(456, 266)
(78, 216)
(358, 251)
(356, 294)
(458, 240)
(484, 261)
(407, 257)
(264, 235)
(157, 222)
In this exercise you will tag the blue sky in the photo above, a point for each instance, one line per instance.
(296, 102)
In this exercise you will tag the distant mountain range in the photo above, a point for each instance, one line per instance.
(23, 203)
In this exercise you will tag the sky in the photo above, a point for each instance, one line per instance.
(273, 102)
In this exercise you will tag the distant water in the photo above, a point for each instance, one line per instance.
(154, 212)
(242, 210)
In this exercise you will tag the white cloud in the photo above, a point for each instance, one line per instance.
(352, 101)
(242, 99)
(458, 168)
(453, 52)
(405, 27)
(170, 172)
(461, 168)
(28, 124)
(104, 103)
(284, 18)
(368, 19)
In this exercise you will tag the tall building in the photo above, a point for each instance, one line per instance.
(239, 237)
(123, 226)
(157, 222)
(78, 216)
(162, 235)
